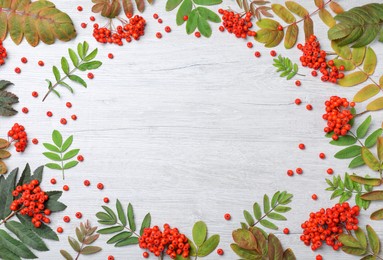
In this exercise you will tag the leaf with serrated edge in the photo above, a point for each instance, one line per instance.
(244, 253)
(145, 223)
(199, 233)
(283, 13)
(121, 213)
(380, 148)
(268, 224)
(373, 138)
(249, 218)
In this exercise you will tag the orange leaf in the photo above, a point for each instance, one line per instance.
(367, 92)
(319, 3)
(128, 7)
(291, 36)
(375, 105)
(353, 79)
(336, 8)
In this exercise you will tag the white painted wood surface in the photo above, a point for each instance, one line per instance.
(185, 128)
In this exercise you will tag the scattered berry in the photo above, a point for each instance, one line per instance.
(87, 183)
(159, 35)
(110, 55)
(145, 254)
(78, 215)
(40, 63)
(290, 172)
(66, 219)
(286, 231)
(100, 186)
(110, 257)
(74, 117)
(92, 18)
(257, 54)
(273, 53)
(25, 110)
(35, 141)
(80, 158)
(309, 107)
(322, 155)
(53, 181)
(160, 20)
(49, 114)
(60, 230)
(280, 28)
(220, 251)
(90, 75)
(298, 101)
(24, 60)
(227, 216)
(168, 29)
(185, 17)
(299, 170)
(106, 200)
(155, 16)
(298, 83)
(250, 45)
(65, 187)
(301, 146)
(79, 8)
(35, 94)
(83, 25)
(330, 171)
(318, 257)
(197, 34)
(63, 121)
(314, 197)
(17, 70)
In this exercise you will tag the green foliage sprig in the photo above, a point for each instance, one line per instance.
(35, 21)
(7, 99)
(359, 25)
(360, 244)
(58, 152)
(122, 224)
(201, 245)
(82, 61)
(287, 68)
(272, 210)
(19, 237)
(198, 15)
(253, 243)
(85, 237)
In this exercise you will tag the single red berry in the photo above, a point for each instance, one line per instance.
(186, 18)
(35, 94)
(249, 45)
(80, 158)
(68, 104)
(92, 18)
(352, 104)
(100, 186)
(65, 187)
(74, 117)
(25, 110)
(63, 121)
(86, 182)
(298, 83)
(314, 197)
(280, 28)
(41, 63)
(168, 29)
(160, 20)
(335, 137)
(79, 8)
(221, 28)
(110, 257)
(220, 251)
(290, 172)
(106, 200)
(60, 230)
(155, 16)
(227, 216)
(17, 70)
(53, 181)
(66, 219)
(257, 54)
(273, 53)
(83, 25)
(330, 171)
(301, 146)
(90, 75)
(35, 141)
(309, 107)
(318, 257)
(299, 170)
(145, 254)
(24, 60)
(341, 67)
(322, 155)
(314, 73)
(298, 101)
(78, 215)
(286, 231)
(110, 55)
(49, 114)
(197, 34)
(159, 35)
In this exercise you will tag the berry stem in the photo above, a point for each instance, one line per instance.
(265, 215)
(366, 111)
(10, 216)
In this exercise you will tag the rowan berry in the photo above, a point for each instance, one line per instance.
(309, 107)
(25, 110)
(314, 73)
(290, 172)
(24, 60)
(338, 114)
(186, 17)
(17, 70)
(330, 171)
(298, 101)
(63, 121)
(318, 257)
(80, 158)
(66, 219)
(322, 155)
(341, 67)
(92, 18)
(60, 230)
(145, 255)
(110, 257)
(220, 251)
(160, 20)
(3, 53)
(257, 54)
(314, 197)
(49, 114)
(78, 215)
(110, 55)
(90, 75)
(86, 182)
(100, 186)
(35, 141)
(237, 24)
(74, 117)
(40, 63)
(250, 45)
(35, 94)
(19, 136)
(221, 28)
(299, 170)
(159, 35)
(273, 53)
(280, 28)
(197, 34)
(79, 8)
(227, 216)
(286, 231)
(298, 83)
(83, 25)
(155, 16)
(53, 181)
(106, 200)
(168, 29)
(65, 187)
(301, 146)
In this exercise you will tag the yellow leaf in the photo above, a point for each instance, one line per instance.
(268, 24)
(353, 79)
(319, 3)
(3, 25)
(327, 18)
(4, 154)
(15, 25)
(283, 13)
(367, 92)
(264, 35)
(3, 143)
(308, 26)
(358, 55)
(348, 65)
(377, 104)
(381, 81)
(291, 36)
(3, 168)
(276, 41)
(370, 159)
(344, 51)
(336, 8)
(380, 148)
(370, 61)
(297, 9)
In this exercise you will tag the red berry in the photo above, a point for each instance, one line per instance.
(79, 8)
(25, 110)
(168, 29)
(286, 231)
(273, 53)
(298, 101)
(66, 219)
(24, 60)
(280, 28)
(298, 83)
(110, 55)
(83, 25)
(53, 181)
(60, 230)
(322, 155)
(17, 70)
(41, 63)
(160, 20)
(90, 75)
(100, 186)
(106, 200)
(92, 18)
(68, 104)
(74, 117)
(309, 107)
(249, 45)
(110, 257)
(159, 35)
(220, 251)
(314, 197)
(63, 121)
(330, 171)
(227, 216)
(290, 173)
(35, 141)
(86, 182)
(78, 215)
(299, 170)
(197, 34)
(318, 257)
(65, 187)
(155, 16)
(49, 114)
(341, 67)
(257, 54)
(80, 158)
(186, 18)
(35, 94)
(145, 254)
(301, 146)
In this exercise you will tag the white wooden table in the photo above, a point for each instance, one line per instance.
(185, 128)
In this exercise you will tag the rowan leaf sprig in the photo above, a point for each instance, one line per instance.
(201, 245)
(59, 152)
(112, 9)
(82, 246)
(256, 7)
(7, 99)
(82, 61)
(287, 68)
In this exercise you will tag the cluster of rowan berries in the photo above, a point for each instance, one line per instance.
(171, 240)
(18, 134)
(234, 23)
(3, 53)
(30, 201)
(315, 58)
(128, 31)
(338, 115)
(325, 226)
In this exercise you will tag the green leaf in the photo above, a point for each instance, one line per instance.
(349, 152)
(286, 67)
(185, 9)
(88, 250)
(56, 73)
(208, 14)
(66, 255)
(70, 154)
(245, 239)
(57, 138)
(6, 198)
(4, 84)
(344, 141)
(85, 48)
(15, 246)
(370, 159)
(92, 65)
(92, 55)
(121, 213)
(368, 181)
(363, 128)
(70, 165)
(26, 235)
(52, 156)
(104, 216)
(77, 79)
(276, 216)
(373, 138)
(44, 231)
(128, 241)
(51, 147)
(356, 162)
(348, 240)
(68, 142)
(53, 166)
(266, 204)
(65, 65)
(208, 246)
(192, 22)
(132, 223)
(199, 233)
(370, 61)
(204, 26)
(74, 244)
(172, 4)
(145, 223)
(268, 224)
(249, 218)
(207, 2)
(373, 239)
(282, 209)
(110, 230)
(257, 211)
(120, 236)
(55, 206)
(73, 57)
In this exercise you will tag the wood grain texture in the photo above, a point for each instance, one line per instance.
(185, 128)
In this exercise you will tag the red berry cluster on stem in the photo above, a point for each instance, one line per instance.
(3, 53)
(19, 136)
(315, 58)
(326, 225)
(170, 241)
(133, 29)
(338, 116)
(30, 201)
(234, 23)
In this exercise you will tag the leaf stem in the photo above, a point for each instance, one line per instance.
(265, 215)
(81, 247)
(366, 111)
(62, 165)
(356, 138)
(9, 216)
(131, 231)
